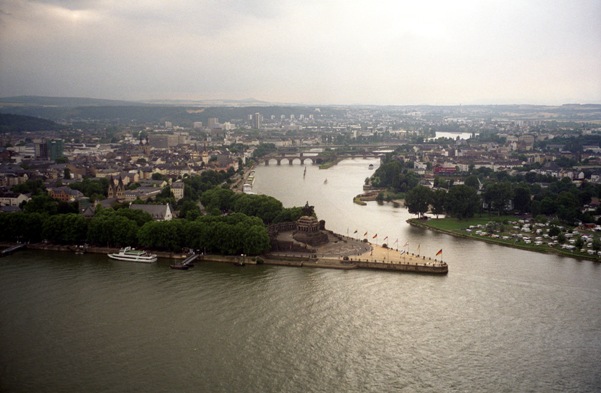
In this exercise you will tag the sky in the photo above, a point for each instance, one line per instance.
(380, 52)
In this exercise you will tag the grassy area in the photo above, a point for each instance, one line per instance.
(507, 238)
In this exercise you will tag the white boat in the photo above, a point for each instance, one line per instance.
(132, 255)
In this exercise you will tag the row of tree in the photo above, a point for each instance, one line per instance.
(561, 198)
(269, 209)
(230, 235)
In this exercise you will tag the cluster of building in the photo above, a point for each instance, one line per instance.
(134, 153)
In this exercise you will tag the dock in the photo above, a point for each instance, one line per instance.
(186, 263)
(10, 250)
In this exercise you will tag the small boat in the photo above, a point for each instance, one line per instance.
(325, 181)
(371, 166)
(179, 266)
(132, 255)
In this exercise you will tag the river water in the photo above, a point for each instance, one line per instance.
(502, 320)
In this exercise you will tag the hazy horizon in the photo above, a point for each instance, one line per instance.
(328, 52)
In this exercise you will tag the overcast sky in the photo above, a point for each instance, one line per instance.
(305, 51)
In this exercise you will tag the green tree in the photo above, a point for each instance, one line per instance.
(65, 228)
(189, 210)
(438, 202)
(107, 228)
(138, 216)
(256, 240)
(497, 196)
(41, 203)
(522, 198)
(163, 235)
(472, 181)
(31, 186)
(418, 199)
(462, 202)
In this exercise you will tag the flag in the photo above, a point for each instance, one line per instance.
(385, 238)
(439, 252)
(376, 235)
(365, 234)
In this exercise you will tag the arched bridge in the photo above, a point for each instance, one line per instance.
(314, 158)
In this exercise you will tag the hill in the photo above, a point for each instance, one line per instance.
(62, 102)
(18, 123)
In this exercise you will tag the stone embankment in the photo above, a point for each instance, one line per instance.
(410, 263)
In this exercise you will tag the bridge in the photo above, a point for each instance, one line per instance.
(315, 158)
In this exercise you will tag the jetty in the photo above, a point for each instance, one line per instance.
(10, 250)
(186, 263)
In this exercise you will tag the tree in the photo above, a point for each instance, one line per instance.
(41, 203)
(472, 181)
(521, 198)
(31, 186)
(21, 226)
(189, 210)
(497, 196)
(418, 199)
(217, 198)
(462, 202)
(138, 216)
(438, 201)
(65, 228)
(256, 240)
(163, 235)
(107, 228)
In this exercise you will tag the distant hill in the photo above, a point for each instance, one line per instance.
(77, 110)
(64, 102)
(18, 123)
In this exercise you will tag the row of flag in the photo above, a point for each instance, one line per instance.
(396, 242)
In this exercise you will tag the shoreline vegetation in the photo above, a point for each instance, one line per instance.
(467, 229)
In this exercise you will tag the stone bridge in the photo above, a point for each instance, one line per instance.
(314, 158)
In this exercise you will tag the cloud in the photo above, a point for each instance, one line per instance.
(329, 51)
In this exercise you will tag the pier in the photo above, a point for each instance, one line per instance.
(10, 250)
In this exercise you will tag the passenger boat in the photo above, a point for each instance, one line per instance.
(132, 255)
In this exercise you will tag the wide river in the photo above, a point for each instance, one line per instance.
(502, 320)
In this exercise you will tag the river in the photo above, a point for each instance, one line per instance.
(502, 320)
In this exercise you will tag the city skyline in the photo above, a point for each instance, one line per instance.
(315, 52)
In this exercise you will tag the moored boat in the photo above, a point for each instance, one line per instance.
(132, 255)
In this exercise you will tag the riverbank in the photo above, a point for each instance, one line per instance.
(473, 229)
